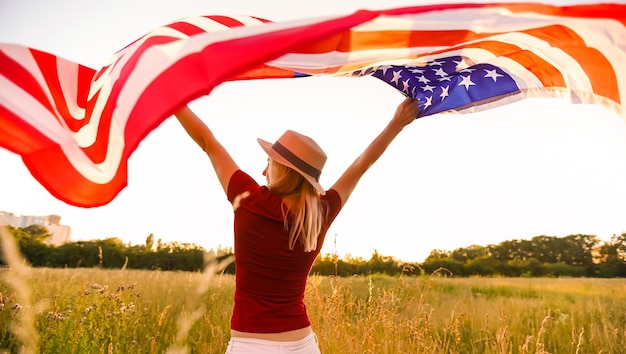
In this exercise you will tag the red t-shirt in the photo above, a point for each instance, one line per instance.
(270, 278)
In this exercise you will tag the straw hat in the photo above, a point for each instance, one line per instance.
(300, 153)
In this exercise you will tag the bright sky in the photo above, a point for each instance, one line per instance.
(539, 167)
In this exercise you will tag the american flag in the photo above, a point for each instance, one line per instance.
(75, 127)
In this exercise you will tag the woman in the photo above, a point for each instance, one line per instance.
(280, 228)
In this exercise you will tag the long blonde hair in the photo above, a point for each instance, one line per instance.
(308, 214)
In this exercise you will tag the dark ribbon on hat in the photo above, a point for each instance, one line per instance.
(296, 161)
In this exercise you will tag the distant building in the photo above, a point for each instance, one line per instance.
(60, 233)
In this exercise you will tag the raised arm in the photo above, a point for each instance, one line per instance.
(405, 114)
(222, 162)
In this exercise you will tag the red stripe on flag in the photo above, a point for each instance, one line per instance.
(591, 11)
(54, 171)
(51, 77)
(85, 76)
(599, 71)
(226, 21)
(265, 72)
(20, 136)
(24, 79)
(544, 71)
(101, 72)
(186, 28)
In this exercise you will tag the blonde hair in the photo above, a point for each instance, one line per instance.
(308, 214)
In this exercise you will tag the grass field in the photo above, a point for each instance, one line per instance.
(127, 311)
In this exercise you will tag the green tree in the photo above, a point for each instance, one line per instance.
(512, 250)
(468, 253)
(38, 233)
(546, 249)
(577, 250)
(113, 252)
(439, 254)
(30, 241)
(610, 263)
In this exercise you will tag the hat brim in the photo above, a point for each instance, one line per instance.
(267, 147)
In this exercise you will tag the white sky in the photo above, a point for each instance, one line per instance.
(539, 167)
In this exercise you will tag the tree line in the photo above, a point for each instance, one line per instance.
(572, 256)
(110, 253)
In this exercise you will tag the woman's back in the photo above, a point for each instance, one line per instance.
(270, 277)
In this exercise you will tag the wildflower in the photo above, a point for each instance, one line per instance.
(88, 309)
(55, 316)
(115, 297)
(99, 288)
(17, 307)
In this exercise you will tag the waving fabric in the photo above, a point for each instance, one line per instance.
(75, 127)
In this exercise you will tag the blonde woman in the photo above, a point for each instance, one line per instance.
(279, 229)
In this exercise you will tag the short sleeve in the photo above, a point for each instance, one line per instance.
(240, 182)
(333, 202)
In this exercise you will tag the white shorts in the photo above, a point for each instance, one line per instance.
(306, 345)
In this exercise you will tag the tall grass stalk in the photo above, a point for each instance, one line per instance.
(187, 319)
(18, 276)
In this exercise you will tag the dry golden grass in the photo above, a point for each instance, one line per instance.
(130, 311)
(125, 311)
(472, 315)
